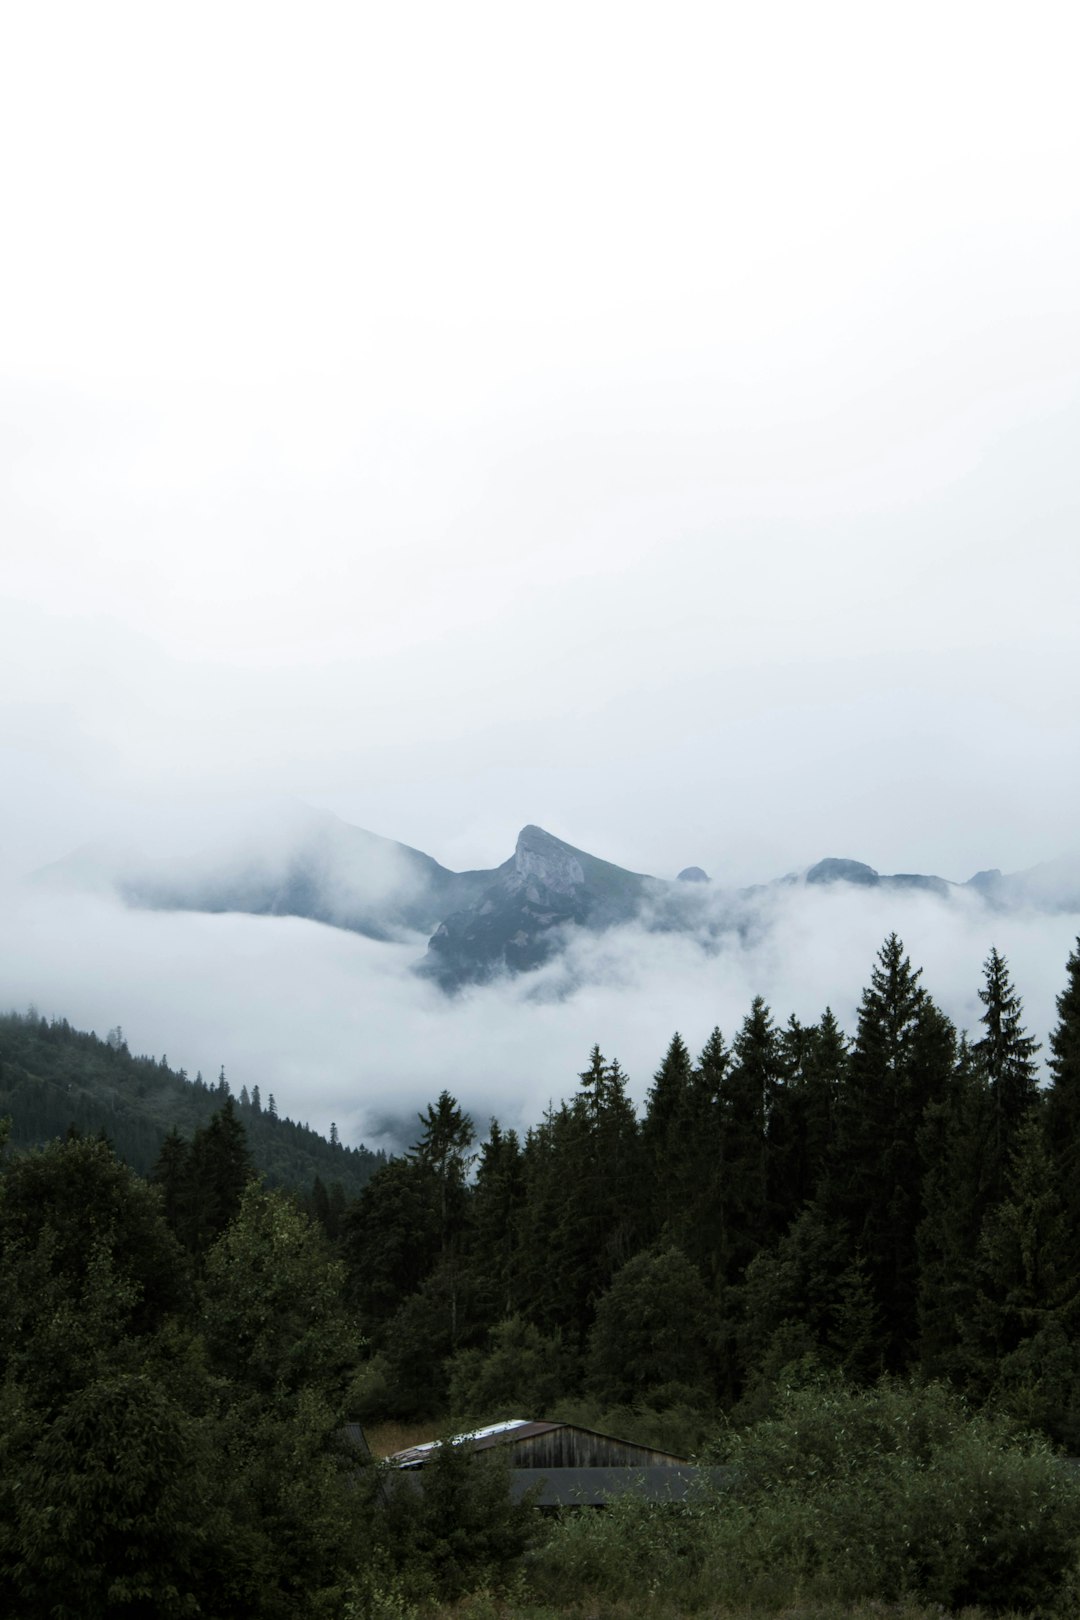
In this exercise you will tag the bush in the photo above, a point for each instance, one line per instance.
(454, 1528)
(896, 1492)
(889, 1493)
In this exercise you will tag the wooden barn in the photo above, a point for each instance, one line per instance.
(564, 1464)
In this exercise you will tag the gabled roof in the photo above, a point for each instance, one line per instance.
(513, 1430)
(493, 1434)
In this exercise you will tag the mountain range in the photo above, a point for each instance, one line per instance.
(481, 924)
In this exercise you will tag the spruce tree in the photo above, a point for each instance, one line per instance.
(665, 1133)
(748, 1098)
(1063, 1096)
(494, 1224)
(901, 1063)
(1005, 1056)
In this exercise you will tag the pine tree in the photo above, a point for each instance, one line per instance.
(665, 1133)
(953, 1143)
(443, 1148)
(172, 1173)
(748, 1097)
(814, 1059)
(1005, 1056)
(494, 1229)
(901, 1063)
(582, 1215)
(1063, 1096)
(220, 1169)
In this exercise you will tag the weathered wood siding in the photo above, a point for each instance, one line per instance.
(568, 1447)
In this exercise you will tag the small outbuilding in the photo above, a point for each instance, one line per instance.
(563, 1464)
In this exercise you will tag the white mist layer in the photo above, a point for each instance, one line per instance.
(340, 1028)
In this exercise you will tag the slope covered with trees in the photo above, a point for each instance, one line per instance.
(53, 1076)
(845, 1266)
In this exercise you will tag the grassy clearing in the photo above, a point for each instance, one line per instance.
(386, 1438)
(485, 1606)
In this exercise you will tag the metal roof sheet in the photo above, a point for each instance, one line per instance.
(512, 1429)
(492, 1434)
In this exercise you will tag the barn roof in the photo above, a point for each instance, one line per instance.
(513, 1430)
(493, 1434)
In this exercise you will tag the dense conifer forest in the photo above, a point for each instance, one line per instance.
(846, 1264)
(53, 1077)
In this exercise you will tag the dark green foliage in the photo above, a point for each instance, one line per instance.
(902, 1063)
(102, 1510)
(807, 1300)
(899, 1492)
(272, 1303)
(457, 1529)
(666, 1132)
(1004, 1057)
(654, 1328)
(1063, 1098)
(788, 1212)
(53, 1076)
(814, 1058)
(520, 1370)
(390, 1237)
(493, 1237)
(748, 1097)
(583, 1212)
(87, 1263)
(1022, 1330)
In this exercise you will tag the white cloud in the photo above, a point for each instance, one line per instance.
(340, 1028)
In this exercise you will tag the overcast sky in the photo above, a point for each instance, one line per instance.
(658, 423)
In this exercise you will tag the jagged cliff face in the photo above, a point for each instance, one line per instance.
(518, 922)
(543, 864)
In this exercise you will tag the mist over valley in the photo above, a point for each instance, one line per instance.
(356, 977)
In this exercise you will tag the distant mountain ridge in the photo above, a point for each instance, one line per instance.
(481, 924)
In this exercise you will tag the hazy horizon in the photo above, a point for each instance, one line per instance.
(660, 429)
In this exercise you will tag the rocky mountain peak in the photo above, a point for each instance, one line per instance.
(545, 860)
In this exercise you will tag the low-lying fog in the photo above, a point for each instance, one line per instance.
(339, 1027)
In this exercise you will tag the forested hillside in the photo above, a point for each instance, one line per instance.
(846, 1266)
(906, 1200)
(53, 1077)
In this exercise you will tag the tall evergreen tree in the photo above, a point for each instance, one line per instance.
(494, 1224)
(902, 1062)
(220, 1170)
(665, 1134)
(443, 1148)
(814, 1059)
(1063, 1096)
(583, 1212)
(1005, 1056)
(952, 1143)
(748, 1099)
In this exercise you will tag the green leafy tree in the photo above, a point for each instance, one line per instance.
(272, 1303)
(520, 1372)
(106, 1514)
(653, 1329)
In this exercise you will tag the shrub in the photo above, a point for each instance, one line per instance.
(889, 1493)
(895, 1492)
